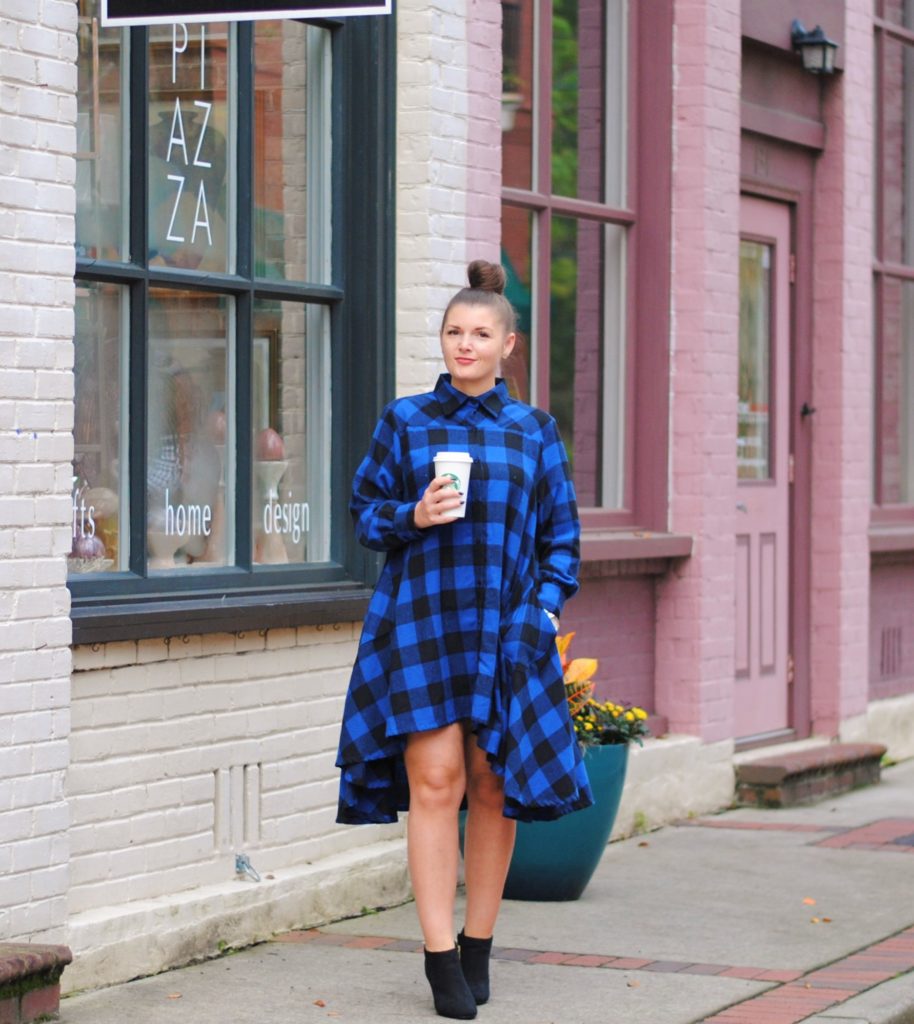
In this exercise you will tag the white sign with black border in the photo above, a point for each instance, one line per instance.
(164, 12)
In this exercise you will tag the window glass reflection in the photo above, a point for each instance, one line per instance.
(100, 138)
(753, 438)
(190, 167)
(897, 172)
(586, 355)
(896, 408)
(588, 99)
(517, 259)
(189, 433)
(291, 482)
(99, 464)
(291, 151)
(517, 94)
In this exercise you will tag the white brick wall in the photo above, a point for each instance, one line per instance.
(37, 171)
(432, 145)
(186, 752)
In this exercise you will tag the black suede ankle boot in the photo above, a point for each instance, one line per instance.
(474, 960)
(450, 991)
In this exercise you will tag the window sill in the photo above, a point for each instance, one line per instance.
(892, 543)
(631, 553)
(131, 618)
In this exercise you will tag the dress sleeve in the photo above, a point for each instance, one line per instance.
(558, 529)
(383, 520)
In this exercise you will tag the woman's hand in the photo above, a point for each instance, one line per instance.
(439, 498)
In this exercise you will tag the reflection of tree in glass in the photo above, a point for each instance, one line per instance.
(563, 294)
(565, 84)
(563, 287)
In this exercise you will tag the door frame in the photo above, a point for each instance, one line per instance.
(786, 173)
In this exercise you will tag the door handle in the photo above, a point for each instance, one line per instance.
(807, 410)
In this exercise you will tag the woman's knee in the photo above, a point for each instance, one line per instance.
(484, 788)
(437, 785)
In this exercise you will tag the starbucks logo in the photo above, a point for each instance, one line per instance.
(455, 481)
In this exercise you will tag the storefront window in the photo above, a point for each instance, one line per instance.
(291, 475)
(190, 429)
(292, 154)
(101, 225)
(207, 449)
(894, 265)
(191, 161)
(99, 494)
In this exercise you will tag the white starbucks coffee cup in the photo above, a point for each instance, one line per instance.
(455, 465)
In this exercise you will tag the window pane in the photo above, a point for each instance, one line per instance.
(290, 421)
(99, 486)
(190, 430)
(517, 259)
(291, 151)
(517, 94)
(100, 139)
(753, 432)
(899, 11)
(896, 410)
(897, 170)
(587, 354)
(588, 93)
(191, 170)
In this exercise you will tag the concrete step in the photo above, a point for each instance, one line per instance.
(30, 981)
(805, 776)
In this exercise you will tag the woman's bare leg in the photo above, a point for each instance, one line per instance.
(488, 843)
(437, 781)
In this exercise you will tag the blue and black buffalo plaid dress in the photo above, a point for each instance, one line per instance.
(456, 629)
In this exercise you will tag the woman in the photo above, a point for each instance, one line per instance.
(457, 688)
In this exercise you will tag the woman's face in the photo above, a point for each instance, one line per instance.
(473, 343)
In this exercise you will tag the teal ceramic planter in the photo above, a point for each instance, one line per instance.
(554, 860)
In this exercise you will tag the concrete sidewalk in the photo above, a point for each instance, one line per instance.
(741, 918)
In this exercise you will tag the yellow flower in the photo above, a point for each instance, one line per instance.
(640, 713)
(588, 726)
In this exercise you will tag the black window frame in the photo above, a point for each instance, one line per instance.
(360, 301)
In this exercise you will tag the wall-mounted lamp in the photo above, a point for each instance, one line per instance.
(816, 49)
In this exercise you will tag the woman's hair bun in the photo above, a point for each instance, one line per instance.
(487, 277)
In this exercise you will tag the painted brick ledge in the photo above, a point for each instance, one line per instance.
(806, 776)
(792, 997)
(30, 981)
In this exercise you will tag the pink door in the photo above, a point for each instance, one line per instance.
(763, 470)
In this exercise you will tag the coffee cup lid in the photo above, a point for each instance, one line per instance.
(455, 456)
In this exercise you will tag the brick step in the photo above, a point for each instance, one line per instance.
(30, 981)
(806, 776)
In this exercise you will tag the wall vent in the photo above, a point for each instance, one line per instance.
(237, 817)
(890, 652)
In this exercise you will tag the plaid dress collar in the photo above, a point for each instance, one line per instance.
(450, 399)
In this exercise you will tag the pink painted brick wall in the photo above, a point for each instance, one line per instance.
(695, 606)
(483, 201)
(891, 631)
(614, 622)
(842, 382)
